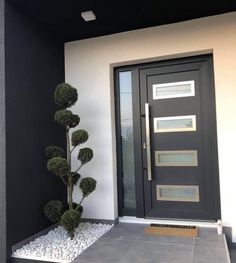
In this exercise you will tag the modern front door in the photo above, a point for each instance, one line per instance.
(177, 140)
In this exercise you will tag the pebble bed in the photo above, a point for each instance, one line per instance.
(56, 246)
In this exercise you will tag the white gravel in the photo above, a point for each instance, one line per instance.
(56, 246)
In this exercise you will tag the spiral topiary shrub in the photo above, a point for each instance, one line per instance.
(68, 215)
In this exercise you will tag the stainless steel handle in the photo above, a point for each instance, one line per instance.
(148, 144)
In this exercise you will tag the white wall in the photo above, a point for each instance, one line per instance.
(87, 67)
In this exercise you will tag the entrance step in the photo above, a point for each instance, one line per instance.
(127, 243)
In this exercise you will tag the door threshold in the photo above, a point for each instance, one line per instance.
(135, 220)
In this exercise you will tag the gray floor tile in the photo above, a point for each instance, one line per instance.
(125, 232)
(210, 241)
(205, 232)
(105, 251)
(203, 254)
(232, 255)
(162, 253)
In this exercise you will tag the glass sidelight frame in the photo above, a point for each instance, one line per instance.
(124, 100)
(137, 144)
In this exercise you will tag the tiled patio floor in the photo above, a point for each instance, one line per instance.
(233, 255)
(127, 243)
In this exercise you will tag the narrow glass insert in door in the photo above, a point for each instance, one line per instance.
(126, 121)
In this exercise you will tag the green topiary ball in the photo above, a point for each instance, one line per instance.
(80, 209)
(65, 95)
(74, 121)
(87, 185)
(66, 118)
(70, 221)
(78, 137)
(75, 178)
(85, 155)
(53, 210)
(58, 166)
(54, 151)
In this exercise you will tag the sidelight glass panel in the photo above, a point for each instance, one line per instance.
(187, 193)
(175, 124)
(176, 158)
(173, 90)
(126, 122)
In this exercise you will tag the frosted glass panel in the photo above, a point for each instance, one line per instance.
(175, 124)
(173, 90)
(126, 121)
(187, 193)
(176, 158)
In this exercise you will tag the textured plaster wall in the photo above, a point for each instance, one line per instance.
(88, 67)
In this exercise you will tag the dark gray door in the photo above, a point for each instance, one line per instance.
(179, 140)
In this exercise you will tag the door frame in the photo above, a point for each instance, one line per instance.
(137, 135)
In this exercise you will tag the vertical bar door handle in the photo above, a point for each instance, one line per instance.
(148, 144)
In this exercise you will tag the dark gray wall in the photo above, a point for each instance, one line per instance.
(34, 65)
(2, 141)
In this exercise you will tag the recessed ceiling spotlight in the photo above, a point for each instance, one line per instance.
(88, 16)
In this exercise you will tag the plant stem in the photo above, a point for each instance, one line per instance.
(78, 168)
(80, 202)
(63, 180)
(70, 185)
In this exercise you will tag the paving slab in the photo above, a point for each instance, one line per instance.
(127, 243)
